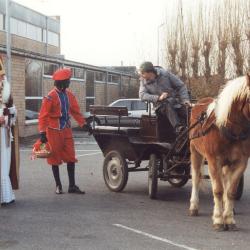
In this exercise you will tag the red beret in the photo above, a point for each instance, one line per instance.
(62, 74)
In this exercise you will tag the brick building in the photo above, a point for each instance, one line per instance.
(35, 54)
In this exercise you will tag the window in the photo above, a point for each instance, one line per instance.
(113, 78)
(34, 32)
(78, 73)
(33, 88)
(50, 68)
(24, 29)
(100, 76)
(53, 38)
(139, 105)
(122, 103)
(1, 22)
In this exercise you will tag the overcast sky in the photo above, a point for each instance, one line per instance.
(111, 32)
(106, 32)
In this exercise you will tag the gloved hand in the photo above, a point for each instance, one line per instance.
(43, 137)
(86, 127)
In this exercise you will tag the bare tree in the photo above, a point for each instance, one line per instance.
(235, 23)
(247, 31)
(222, 35)
(182, 41)
(206, 37)
(172, 47)
(195, 43)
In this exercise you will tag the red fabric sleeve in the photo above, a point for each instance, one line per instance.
(75, 110)
(44, 114)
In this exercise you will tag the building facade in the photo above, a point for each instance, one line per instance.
(35, 55)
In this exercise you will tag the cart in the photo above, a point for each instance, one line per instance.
(125, 148)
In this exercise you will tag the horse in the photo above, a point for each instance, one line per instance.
(222, 137)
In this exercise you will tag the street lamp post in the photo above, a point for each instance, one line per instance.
(8, 39)
(158, 43)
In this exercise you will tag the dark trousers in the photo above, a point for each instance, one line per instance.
(71, 174)
(176, 116)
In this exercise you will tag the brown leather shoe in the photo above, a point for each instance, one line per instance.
(75, 190)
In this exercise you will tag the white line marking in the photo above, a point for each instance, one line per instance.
(86, 143)
(77, 150)
(154, 237)
(89, 154)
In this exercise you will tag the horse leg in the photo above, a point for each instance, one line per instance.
(196, 163)
(217, 187)
(233, 175)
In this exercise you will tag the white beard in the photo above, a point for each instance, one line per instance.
(6, 91)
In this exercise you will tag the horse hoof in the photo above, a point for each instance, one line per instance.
(218, 227)
(193, 212)
(231, 227)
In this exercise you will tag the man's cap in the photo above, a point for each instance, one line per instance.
(62, 74)
(147, 67)
(2, 71)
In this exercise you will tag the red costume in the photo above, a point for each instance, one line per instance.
(54, 119)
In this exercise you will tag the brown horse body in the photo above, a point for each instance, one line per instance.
(223, 140)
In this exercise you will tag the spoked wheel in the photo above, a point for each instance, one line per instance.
(152, 176)
(115, 171)
(181, 171)
(240, 189)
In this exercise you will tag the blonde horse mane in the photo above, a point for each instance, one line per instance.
(234, 89)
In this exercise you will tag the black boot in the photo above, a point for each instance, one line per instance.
(71, 173)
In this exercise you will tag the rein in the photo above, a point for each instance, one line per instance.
(200, 120)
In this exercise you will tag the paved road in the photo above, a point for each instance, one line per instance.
(103, 220)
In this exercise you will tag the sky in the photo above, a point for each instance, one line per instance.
(107, 32)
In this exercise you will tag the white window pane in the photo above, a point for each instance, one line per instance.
(34, 32)
(21, 28)
(1, 21)
(13, 26)
(53, 38)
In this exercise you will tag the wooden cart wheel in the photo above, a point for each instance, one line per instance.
(240, 189)
(115, 171)
(152, 176)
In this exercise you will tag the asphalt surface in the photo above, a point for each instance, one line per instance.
(100, 219)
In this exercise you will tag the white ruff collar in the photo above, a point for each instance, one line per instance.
(6, 91)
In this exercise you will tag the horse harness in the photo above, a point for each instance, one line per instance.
(226, 132)
(201, 120)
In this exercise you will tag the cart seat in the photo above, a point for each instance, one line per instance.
(142, 142)
(118, 130)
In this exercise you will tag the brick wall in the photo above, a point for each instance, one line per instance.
(100, 93)
(113, 92)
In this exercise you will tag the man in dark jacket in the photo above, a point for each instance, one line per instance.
(158, 85)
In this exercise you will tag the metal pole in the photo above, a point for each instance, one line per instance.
(158, 43)
(8, 39)
(47, 33)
